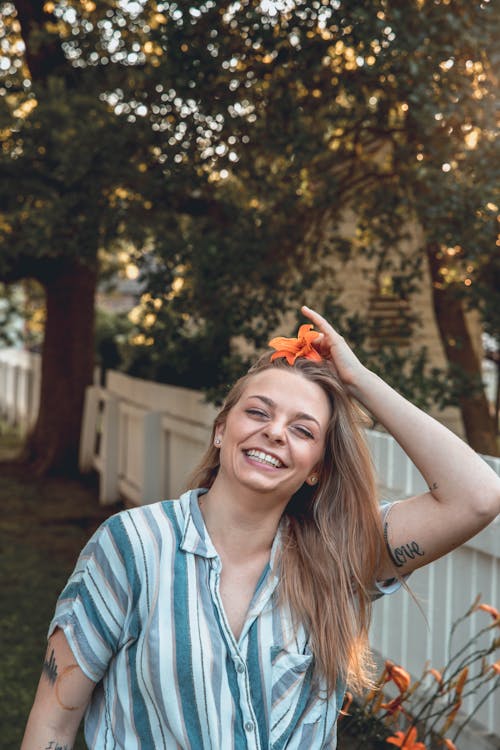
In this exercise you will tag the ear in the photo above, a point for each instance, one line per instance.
(313, 478)
(219, 431)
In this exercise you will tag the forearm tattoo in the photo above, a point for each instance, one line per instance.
(401, 555)
(55, 745)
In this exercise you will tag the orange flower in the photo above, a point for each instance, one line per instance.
(452, 715)
(496, 667)
(393, 706)
(406, 740)
(437, 675)
(490, 610)
(344, 711)
(455, 709)
(299, 347)
(398, 675)
(450, 745)
(462, 678)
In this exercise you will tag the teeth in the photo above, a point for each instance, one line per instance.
(265, 458)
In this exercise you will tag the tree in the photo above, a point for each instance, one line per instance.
(224, 143)
(388, 109)
(461, 242)
(107, 115)
(446, 164)
(64, 172)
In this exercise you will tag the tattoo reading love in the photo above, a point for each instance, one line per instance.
(406, 552)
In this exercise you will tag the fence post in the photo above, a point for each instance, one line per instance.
(12, 395)
(30, 416)
(89, 428)
(151, 458)
(108, 486)
(24, 399)
(36, 386)
(3, 388)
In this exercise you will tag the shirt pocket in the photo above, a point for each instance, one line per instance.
(312, 731)
(291, 675)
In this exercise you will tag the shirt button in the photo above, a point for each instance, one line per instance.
(249, 726)
(240, 668)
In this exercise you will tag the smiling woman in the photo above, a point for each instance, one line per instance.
(323, 490)
(272, 438)
(235, 616)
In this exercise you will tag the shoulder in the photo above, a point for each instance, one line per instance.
(154, 525)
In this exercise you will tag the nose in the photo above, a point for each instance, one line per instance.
(275, 431)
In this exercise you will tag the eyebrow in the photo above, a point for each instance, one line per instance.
(299, 415)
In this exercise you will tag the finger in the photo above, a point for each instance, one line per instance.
(319, 321)
(323, 342)
(314, 316)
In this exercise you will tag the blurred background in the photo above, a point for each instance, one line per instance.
(177, 178)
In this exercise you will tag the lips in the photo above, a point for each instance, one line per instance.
(265, 458)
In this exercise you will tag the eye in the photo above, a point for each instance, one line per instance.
(303, 431)
(254, 412)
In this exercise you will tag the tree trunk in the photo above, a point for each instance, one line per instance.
(67, 368)
(478, 423)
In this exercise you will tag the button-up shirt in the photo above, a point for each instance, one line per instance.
(143, 616)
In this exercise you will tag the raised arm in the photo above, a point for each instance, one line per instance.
(61, 699)
(464, 492)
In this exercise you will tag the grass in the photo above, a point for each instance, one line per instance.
(43, 525)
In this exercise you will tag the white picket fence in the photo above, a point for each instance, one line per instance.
(19, 387)
(144, 438)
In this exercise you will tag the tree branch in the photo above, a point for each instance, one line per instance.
(42, 59)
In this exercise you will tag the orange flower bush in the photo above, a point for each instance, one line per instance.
(302, 346)
(421, 714)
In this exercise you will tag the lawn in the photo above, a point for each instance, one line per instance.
(43, 525)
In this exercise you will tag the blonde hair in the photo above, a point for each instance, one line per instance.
(333, 540)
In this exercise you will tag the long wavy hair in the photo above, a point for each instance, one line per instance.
(332, 540)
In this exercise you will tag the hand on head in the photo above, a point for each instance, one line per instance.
(333, 348)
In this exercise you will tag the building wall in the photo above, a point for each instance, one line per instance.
(353, 282)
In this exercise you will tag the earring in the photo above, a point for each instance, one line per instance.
(217, 441)
(313, 479)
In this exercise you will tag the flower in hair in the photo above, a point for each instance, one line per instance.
(299, 347)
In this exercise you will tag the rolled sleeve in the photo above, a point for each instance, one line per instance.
(92, 607)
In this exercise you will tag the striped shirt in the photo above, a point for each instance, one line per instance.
(143, 616)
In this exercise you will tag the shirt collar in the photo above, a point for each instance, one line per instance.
(195, 537)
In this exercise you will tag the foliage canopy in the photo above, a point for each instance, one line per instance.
(222, 143)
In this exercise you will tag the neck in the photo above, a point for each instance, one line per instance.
(240, 523)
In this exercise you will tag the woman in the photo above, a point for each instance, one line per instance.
(235, 616)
